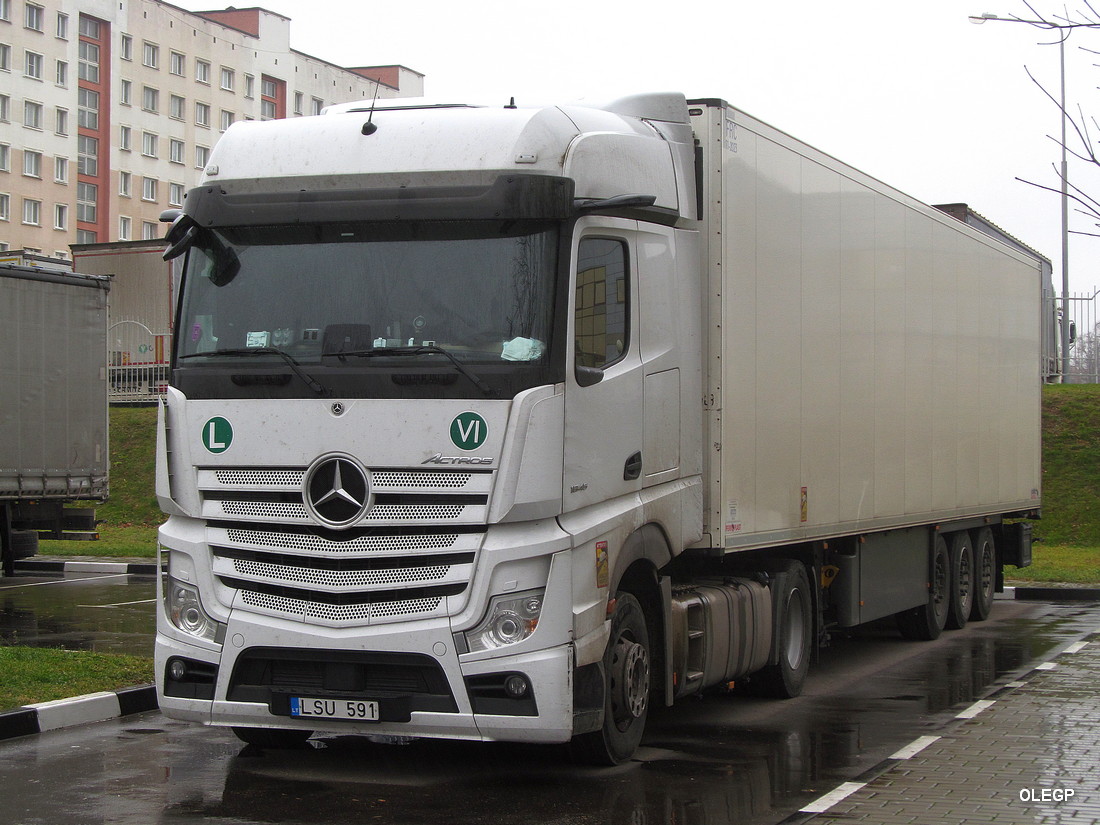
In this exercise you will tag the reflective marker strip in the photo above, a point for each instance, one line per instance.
(975, 709)
(823, 803)
(915, 747)
(1076, 647)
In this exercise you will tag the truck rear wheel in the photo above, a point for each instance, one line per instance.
(272, 738)
(626, 689)
(985, 574)
(794, 637)
(961, 585)
(926, 622)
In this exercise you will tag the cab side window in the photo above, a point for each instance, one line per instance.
(602, 302)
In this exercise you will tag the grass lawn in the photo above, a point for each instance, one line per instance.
(43, 674)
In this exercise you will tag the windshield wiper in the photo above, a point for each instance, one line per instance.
(406, 351)
(310, 381)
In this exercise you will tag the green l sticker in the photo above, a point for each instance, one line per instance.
(469, 431)
(217, 435)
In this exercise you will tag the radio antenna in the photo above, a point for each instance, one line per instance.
(369, 128)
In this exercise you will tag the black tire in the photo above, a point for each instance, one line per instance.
(627, 665)
(961, 587)
(926, 622)
(24, 543)
(273, 738)
(985, 574)
(794, 637)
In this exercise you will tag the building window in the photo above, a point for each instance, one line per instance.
(60, 216)
(62, 26)
(5, 9)
(298, 99)
(124, 133)
(61, 76)
(124, 184)
(175, 194)
(227, 119)
(32, 212)
(177, 64)
(5, 108)
(32, 163)
(227, 79)
(148, 189)
(32, 114)
(5, 207)
(32, 67)
(150, 99)
(272, 98)
(149, 144)
(89, 60)
(148, 231)
(33, 17)
(5, 157)
(176, 107)
(89, 27)
(249, 86)
(86, 194)
(202, 71)
(125, 92)
(61, 121)
(61, 170)
(202, 156)
(87, 157)
(5, 57)
(150, 55)
(318, 105)
(175, 150)
(202, 114)
(126, 47)
(123, 228)
(87, 113)
(85, 236)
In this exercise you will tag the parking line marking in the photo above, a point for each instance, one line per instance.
(94, 578)
(823, 803)
(915, 747)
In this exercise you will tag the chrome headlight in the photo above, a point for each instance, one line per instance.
(185, 611)
(510, 619)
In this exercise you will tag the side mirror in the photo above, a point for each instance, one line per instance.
(587, 376)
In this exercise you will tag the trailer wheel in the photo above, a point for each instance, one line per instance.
(985, 574)
(926, 622)
(24, 543)
(273, 738)
(961, 586)
(794, 636)
(626, 689)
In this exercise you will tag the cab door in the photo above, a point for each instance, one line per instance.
(603, 392)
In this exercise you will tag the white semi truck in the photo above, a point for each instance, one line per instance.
(508, 423)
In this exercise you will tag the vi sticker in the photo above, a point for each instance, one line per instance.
(217, 435)
(469, 431)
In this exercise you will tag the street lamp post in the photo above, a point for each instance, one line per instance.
(1064, 30)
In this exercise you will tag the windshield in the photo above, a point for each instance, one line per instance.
(443, 297)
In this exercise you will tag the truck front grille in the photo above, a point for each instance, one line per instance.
(411, 552)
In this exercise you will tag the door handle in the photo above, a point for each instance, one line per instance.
(633, 467)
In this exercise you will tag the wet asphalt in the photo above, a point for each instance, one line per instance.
(722, 758)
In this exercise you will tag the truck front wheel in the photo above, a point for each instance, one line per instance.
(626, 688)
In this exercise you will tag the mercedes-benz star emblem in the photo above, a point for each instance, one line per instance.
(337, 491)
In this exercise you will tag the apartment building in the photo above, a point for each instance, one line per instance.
(109, 108)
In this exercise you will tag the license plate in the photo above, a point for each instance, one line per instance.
(309, 707)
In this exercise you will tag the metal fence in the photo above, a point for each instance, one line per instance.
(138, 365)
(1084, 349)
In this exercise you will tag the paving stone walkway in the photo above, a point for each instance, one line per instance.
(1029, 753)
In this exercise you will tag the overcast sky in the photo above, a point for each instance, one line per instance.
(911, 93)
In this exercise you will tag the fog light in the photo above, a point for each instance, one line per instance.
(177, 670)
(516, 686)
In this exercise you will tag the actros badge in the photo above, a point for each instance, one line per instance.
(337, 491)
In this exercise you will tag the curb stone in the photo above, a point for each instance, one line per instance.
(79, 710)
(103, 566)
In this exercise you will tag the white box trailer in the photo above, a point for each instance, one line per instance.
(53, 418)
(503, 423)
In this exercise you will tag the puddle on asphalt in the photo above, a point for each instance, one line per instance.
(108, 613)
